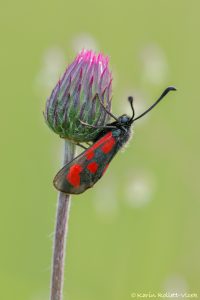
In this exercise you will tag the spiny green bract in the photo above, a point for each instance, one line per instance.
(77, 96)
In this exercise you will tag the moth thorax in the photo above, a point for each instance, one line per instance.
(125, 137)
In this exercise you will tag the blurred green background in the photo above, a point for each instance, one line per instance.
(137, 231)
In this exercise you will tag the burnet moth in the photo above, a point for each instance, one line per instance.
(88, 167)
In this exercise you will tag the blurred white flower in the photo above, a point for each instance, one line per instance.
(40, 296)
(140, 188)
(176, 284)
(105, 200)
(53, 62)
(84, 40)
(154, 64)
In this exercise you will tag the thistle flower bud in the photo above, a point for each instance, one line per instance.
(77, 97)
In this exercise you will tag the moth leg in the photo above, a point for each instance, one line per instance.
(89, 144)
(106, 110)
(89, 125)
(93, 126)
(80, 145)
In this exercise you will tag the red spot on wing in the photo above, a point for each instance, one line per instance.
(107, 139)
(107, 147)
(89, 154)
(74, 175)
(106, 167)
(93, 167)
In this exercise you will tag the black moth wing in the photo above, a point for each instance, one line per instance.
(87, 168)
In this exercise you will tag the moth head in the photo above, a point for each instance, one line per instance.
(124, 119)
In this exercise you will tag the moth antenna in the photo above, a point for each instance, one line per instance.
(166, 91)
(130, 100)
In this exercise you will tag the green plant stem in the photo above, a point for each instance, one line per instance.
(61, 228)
